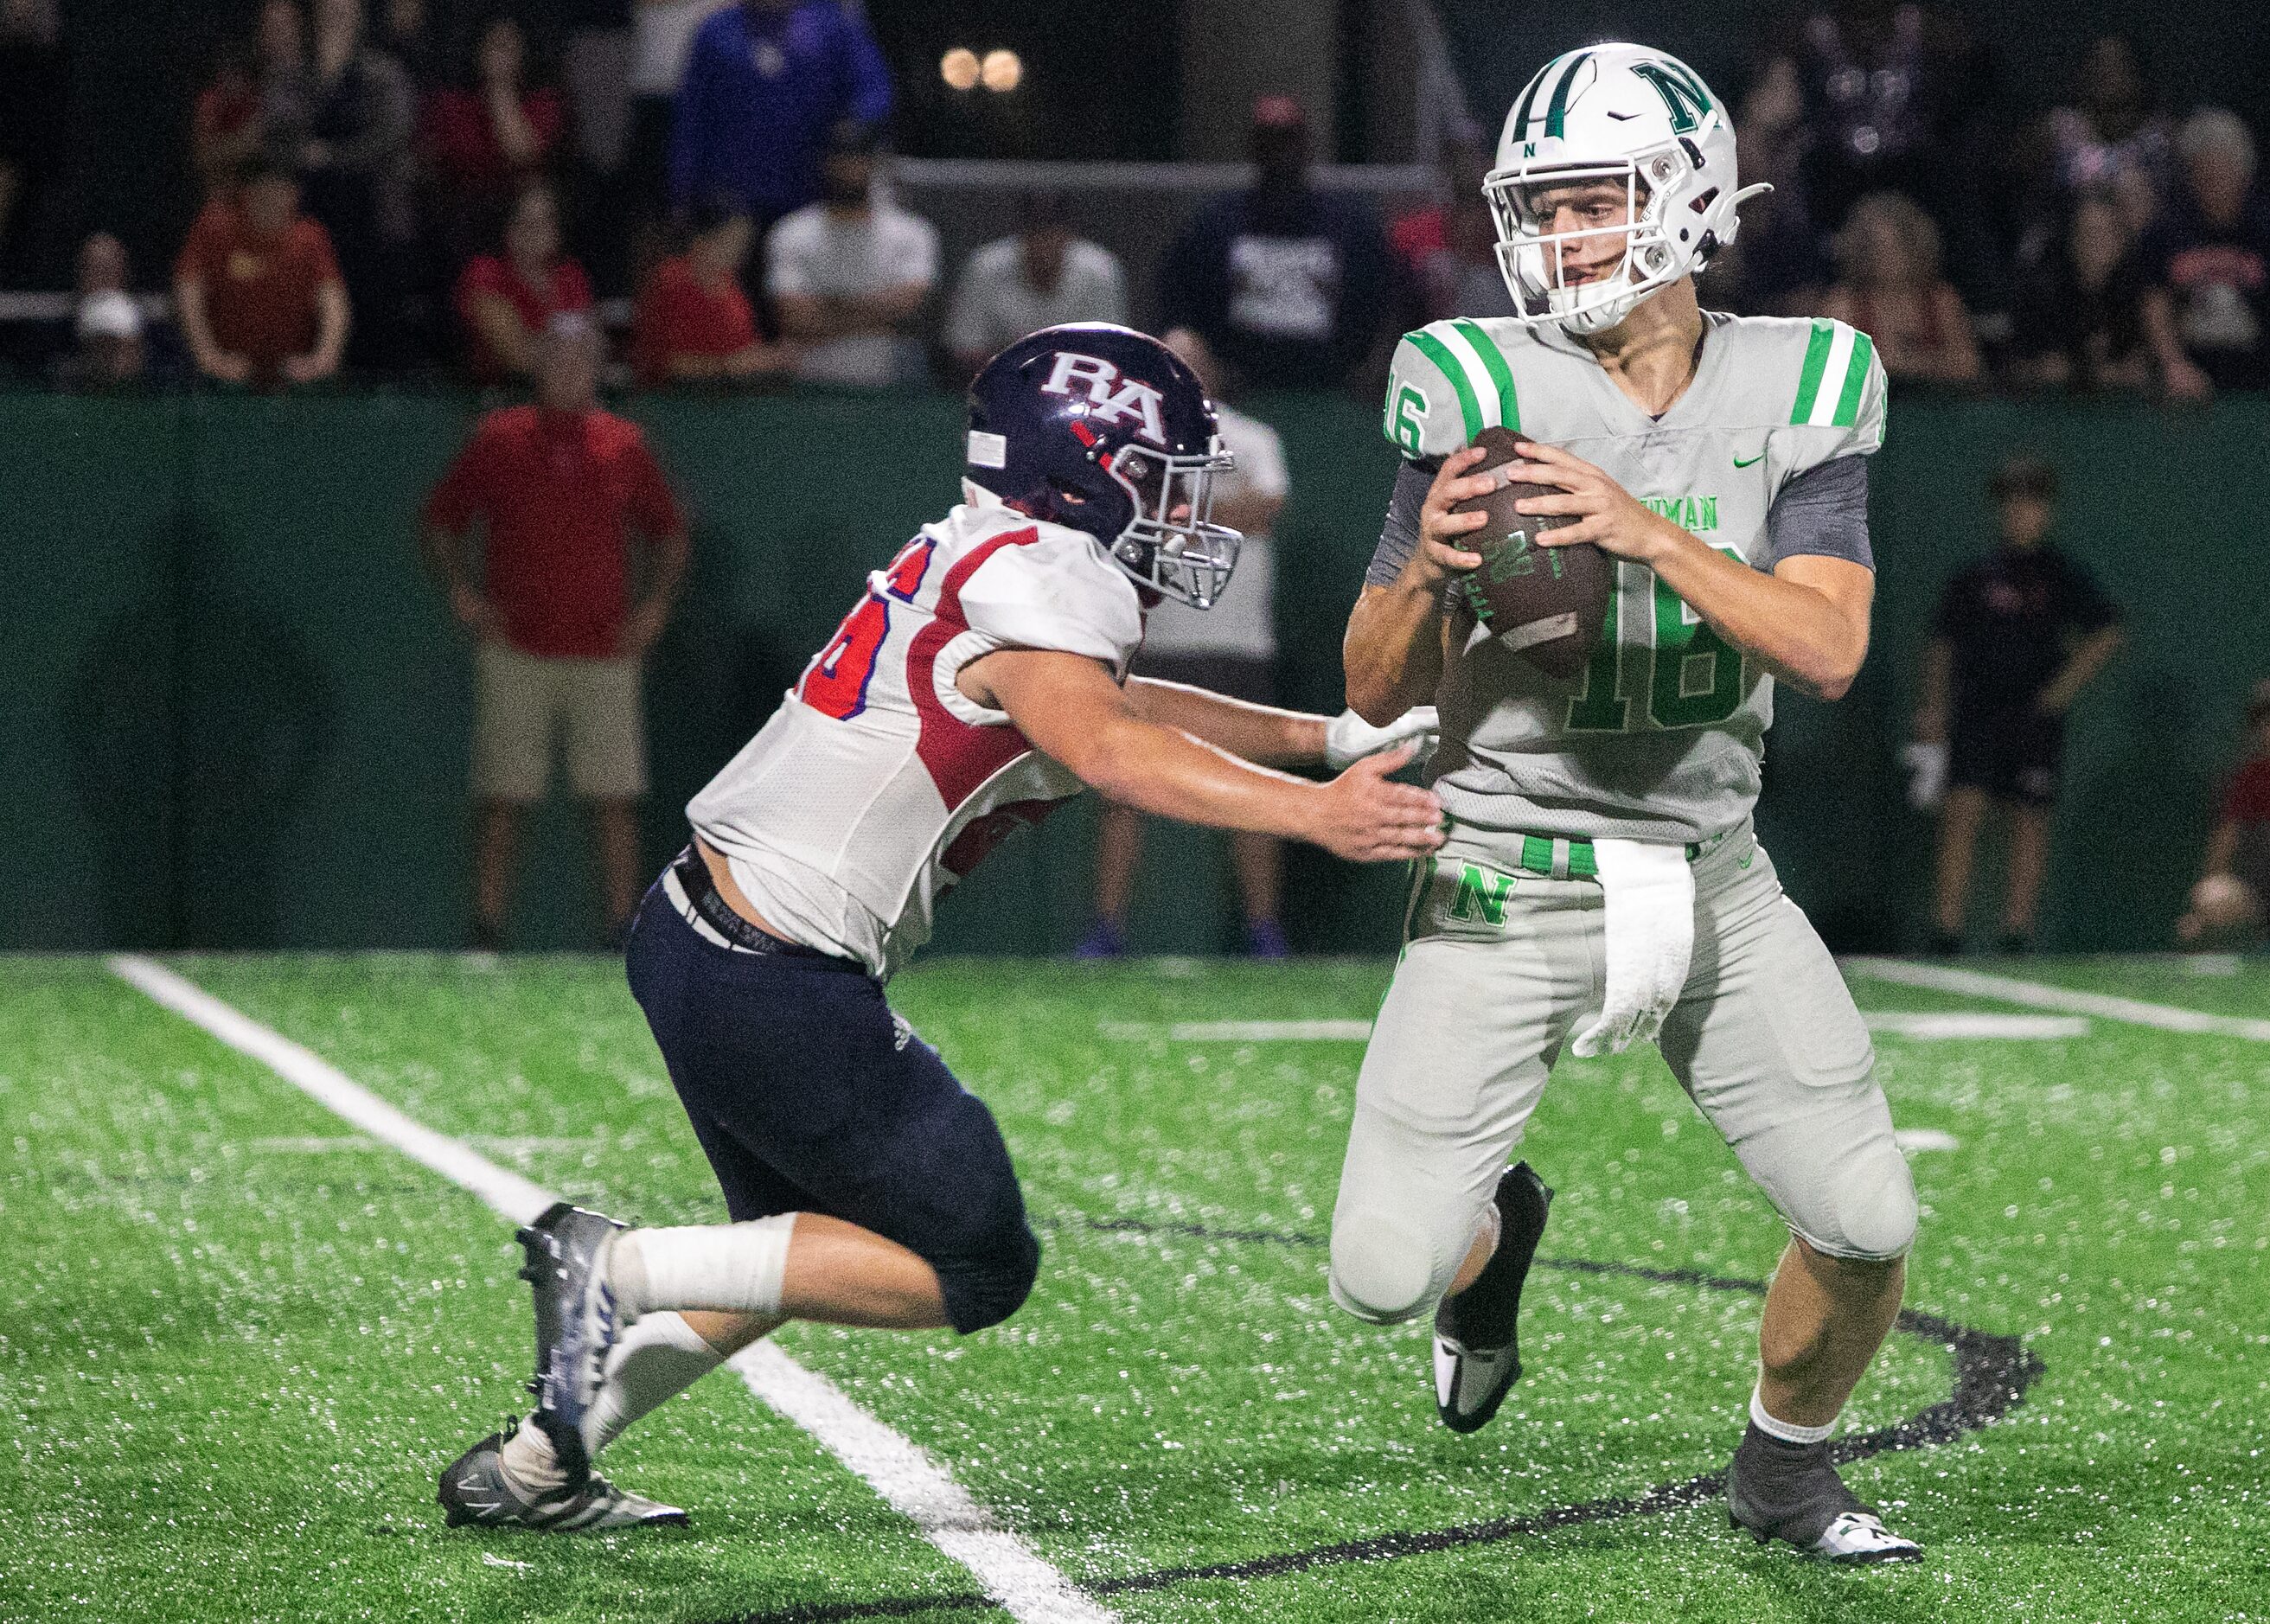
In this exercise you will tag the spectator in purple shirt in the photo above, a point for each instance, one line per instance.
(765, 83)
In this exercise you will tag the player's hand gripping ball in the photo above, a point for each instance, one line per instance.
(1546, 603)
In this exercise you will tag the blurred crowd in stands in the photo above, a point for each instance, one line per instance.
(397, 198)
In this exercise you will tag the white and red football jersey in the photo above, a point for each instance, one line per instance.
(879, 783)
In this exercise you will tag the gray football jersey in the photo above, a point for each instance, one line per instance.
(1662, 736)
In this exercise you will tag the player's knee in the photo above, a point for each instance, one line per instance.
(1383, 1269)
(1875, 1210)
(994, 1287)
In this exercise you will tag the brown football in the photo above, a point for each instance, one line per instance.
(1546, 603)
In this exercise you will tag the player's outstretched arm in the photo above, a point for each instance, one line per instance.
(1397, 635)
(1261, 734)
(1272, 737)
(1072, 710)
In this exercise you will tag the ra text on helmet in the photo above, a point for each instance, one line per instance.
(1104, 429)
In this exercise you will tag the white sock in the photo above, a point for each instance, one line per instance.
(724, 1268)
(657, 1359)
(1788, 1432)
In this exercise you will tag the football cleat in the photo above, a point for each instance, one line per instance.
(1477, 1352)
(1790, 1492)
(567, 1250)
(476, 1493)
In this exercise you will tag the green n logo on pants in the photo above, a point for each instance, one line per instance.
(1483, 891)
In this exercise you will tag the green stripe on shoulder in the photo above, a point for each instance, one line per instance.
(1816, 362)
(1856, 380)
(1470, 406)
(1493, 361)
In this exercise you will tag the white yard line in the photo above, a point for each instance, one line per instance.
(506, 1191)
(1260, 1031)
(898, 1468)
(2010, 989)
(310, 1145)
(1913, 1024)
(1913, 1140)
(919, 1489)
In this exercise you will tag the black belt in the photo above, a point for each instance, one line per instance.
(716, 913)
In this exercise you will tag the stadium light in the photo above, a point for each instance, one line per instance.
(959, 68)
(1003, 71)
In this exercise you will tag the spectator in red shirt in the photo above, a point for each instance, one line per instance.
(487, 138)
(506, 300)
(256, 290)
(2231, 902)
(559, 486)
(693, 321)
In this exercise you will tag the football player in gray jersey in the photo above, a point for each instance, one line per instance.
(1601, 884)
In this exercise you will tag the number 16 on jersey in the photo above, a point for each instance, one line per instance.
(1658, 665)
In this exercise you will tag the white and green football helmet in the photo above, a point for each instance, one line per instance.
(1619, 113)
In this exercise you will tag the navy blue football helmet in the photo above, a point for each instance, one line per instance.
(1105, 430)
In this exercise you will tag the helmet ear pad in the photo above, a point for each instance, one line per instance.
(1097, 509)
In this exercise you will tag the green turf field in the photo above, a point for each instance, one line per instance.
(237, 1339)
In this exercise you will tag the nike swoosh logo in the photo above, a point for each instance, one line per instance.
(1744, 462)
(1623, 118)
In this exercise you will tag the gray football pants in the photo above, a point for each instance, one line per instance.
(1501, 966)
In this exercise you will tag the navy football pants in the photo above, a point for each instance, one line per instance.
(810, 1096)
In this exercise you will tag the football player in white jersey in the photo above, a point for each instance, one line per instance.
(980, 679)
(1601, 884)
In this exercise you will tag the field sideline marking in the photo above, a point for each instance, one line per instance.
(1963, 1024)
(2010, 989)
(896, 1467)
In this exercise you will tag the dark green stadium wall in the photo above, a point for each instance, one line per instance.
(235, 715)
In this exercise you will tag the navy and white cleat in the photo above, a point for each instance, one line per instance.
(1790, 1492)
(476, 1493)
(567, 1250)
(1477, 1350)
